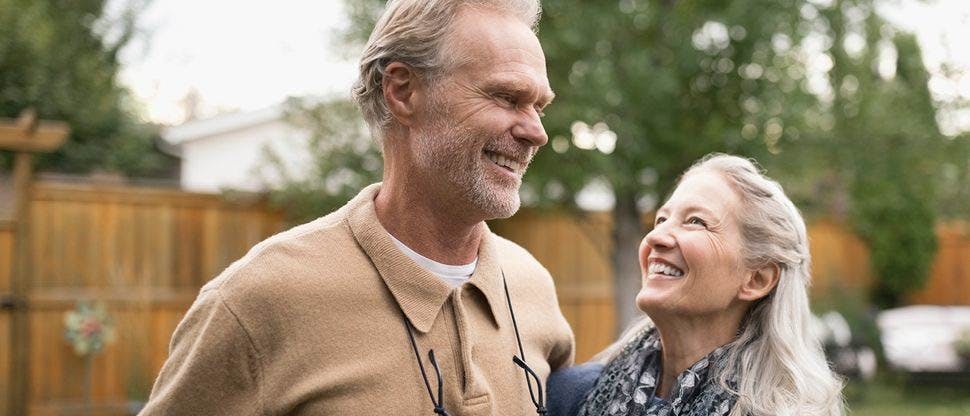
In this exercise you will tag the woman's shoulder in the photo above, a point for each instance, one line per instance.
(568, 388)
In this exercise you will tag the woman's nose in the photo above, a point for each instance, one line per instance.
(660, 237)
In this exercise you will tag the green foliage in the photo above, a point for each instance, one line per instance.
(953, 190)
(675, 80)
(363, 15)
(891, 397)
(871, 150)
(61, 58)
(345, 159)
(344, 156)
(886, 145)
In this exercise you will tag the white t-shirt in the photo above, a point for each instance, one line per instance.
(453, 275)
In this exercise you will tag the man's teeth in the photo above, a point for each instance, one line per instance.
(504, 161)
(661, 268)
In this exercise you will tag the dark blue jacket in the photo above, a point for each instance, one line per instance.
(568, 388)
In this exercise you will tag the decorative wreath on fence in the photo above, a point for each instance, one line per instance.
(88, 328)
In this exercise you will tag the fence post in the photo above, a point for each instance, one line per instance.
(24, 136)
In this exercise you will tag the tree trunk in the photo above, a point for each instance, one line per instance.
(627, 233)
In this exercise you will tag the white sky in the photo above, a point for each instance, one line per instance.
(239, 55)
(943, 30)
(246, 54)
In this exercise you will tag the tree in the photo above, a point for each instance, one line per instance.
(344, 159)
(61, 58)
(673, 81)
(645, 88)
(885, 144)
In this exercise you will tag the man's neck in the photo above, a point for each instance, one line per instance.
(426, 225)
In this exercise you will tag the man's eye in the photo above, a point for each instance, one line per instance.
(659, 220)
(507, 99)
(697, 221)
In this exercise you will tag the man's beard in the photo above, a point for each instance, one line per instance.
(443, 152)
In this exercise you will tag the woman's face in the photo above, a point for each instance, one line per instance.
(691, 261)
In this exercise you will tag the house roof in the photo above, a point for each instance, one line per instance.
(174, 137)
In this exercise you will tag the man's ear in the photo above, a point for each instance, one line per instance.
(400, 85)
(759, 283)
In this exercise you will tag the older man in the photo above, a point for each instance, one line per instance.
(402, 302)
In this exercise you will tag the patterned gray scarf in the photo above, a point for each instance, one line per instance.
(628, 383)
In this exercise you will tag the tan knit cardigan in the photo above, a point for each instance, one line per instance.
(310, 322)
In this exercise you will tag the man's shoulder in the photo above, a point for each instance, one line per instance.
(510, 250)
(310, 251)
(516, 259)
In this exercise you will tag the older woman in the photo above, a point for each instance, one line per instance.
(725, 272)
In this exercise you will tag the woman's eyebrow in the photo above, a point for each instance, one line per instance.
(699, 208)
(688, 209)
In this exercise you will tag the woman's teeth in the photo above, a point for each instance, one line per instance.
(665, 269)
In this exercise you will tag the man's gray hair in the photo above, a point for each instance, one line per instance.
(413, 32)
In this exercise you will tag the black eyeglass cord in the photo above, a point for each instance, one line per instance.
(540, 402)
(439, 407)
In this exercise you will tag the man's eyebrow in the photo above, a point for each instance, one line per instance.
(547, 98)
(520, 87)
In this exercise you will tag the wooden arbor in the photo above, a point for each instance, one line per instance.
(24, 136)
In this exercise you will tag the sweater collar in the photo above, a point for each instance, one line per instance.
(417, 291)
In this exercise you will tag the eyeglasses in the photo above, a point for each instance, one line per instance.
(438, 400)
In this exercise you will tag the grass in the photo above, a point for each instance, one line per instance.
(892, 398)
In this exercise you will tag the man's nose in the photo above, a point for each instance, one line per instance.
(529, 129)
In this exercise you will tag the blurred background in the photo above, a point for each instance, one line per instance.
(147, 144)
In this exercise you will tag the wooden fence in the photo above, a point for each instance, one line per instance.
(949, 282)
(146, 253)
(6, 254)
(840, 260)
(577, 254)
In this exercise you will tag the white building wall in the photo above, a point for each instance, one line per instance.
(236, 159)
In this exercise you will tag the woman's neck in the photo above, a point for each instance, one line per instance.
(684, 341)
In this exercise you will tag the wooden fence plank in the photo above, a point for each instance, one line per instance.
(6, 259)
(146, 252)
(136, 250)
(949, 281)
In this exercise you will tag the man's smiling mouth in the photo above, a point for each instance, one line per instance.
(508, 163)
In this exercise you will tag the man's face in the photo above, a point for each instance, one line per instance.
(481, 126)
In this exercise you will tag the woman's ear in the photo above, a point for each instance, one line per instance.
(400, 84)
(759, 283)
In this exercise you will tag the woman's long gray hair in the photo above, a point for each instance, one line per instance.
(781, 369)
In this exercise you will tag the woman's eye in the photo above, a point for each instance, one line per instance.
(659, 220)
(697, 221)
(540, 112)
